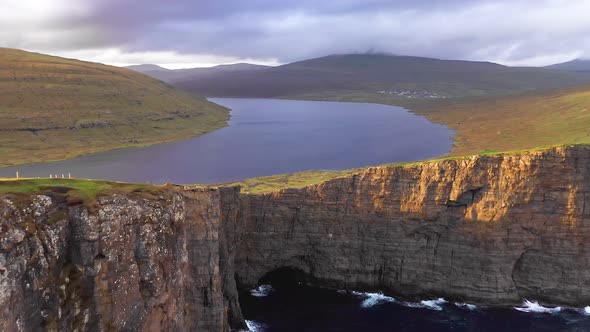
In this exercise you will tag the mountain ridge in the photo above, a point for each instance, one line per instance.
(173, 75)
(576, 65)
(375, 73)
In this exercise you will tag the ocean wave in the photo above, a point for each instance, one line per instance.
(435, 304)
(372, 299)
(261, 291)
(466, 305)
(254, 326)
(534, 306)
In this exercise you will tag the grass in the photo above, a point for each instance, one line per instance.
(53, 108)
(294, 180)
(515, 123)
(75, 190)
(267, 184)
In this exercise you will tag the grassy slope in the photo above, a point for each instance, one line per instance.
(75, 191)
(54, 108)
(515, 123)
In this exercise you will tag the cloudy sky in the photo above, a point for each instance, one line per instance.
(189, 33)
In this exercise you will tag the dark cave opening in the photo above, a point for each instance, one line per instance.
(284, 277)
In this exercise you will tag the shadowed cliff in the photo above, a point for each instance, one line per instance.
(484, 229)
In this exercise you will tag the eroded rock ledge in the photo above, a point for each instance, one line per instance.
(485, 229)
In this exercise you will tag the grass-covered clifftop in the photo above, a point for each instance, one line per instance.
(266, 184)
(54, 108)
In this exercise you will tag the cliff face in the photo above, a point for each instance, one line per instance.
(488, 229)
(492, 229)
(135, 263)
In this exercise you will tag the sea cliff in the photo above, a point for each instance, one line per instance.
(483, 229)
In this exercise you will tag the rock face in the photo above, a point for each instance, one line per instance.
(485, 229)
(153, 264)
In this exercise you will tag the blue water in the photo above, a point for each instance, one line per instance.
(300, 308)
(266, 137)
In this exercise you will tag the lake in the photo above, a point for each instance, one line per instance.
(266, 137)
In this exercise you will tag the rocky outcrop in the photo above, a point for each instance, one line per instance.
(133, 263)
(485, 229)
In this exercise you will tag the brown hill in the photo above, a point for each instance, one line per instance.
(56, 108)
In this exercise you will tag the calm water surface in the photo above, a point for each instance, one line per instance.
(266, 137)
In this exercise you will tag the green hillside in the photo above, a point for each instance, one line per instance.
(55, 108)
(515, 123)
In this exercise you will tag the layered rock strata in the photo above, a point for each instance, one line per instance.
(484, 229)
(131, 263)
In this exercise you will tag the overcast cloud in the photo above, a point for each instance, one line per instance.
(183, 33)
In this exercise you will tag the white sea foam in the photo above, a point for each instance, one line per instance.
(585, 311)
(533, 306)
(371, 299)
(435, 304)
(466, 305)
(254, 326)
(261, 291)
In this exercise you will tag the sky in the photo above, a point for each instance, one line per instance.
(200, 33)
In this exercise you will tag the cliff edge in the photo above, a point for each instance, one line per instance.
(484, 229)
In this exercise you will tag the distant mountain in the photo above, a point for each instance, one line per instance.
(171, 76)
(376, 74)
(577, 65)
(55, 108)
(147, 68)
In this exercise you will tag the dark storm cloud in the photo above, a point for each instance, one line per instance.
(516, 31)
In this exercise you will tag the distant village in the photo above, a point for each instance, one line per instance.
(413, 94)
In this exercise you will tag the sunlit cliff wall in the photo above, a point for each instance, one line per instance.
(485, 229)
